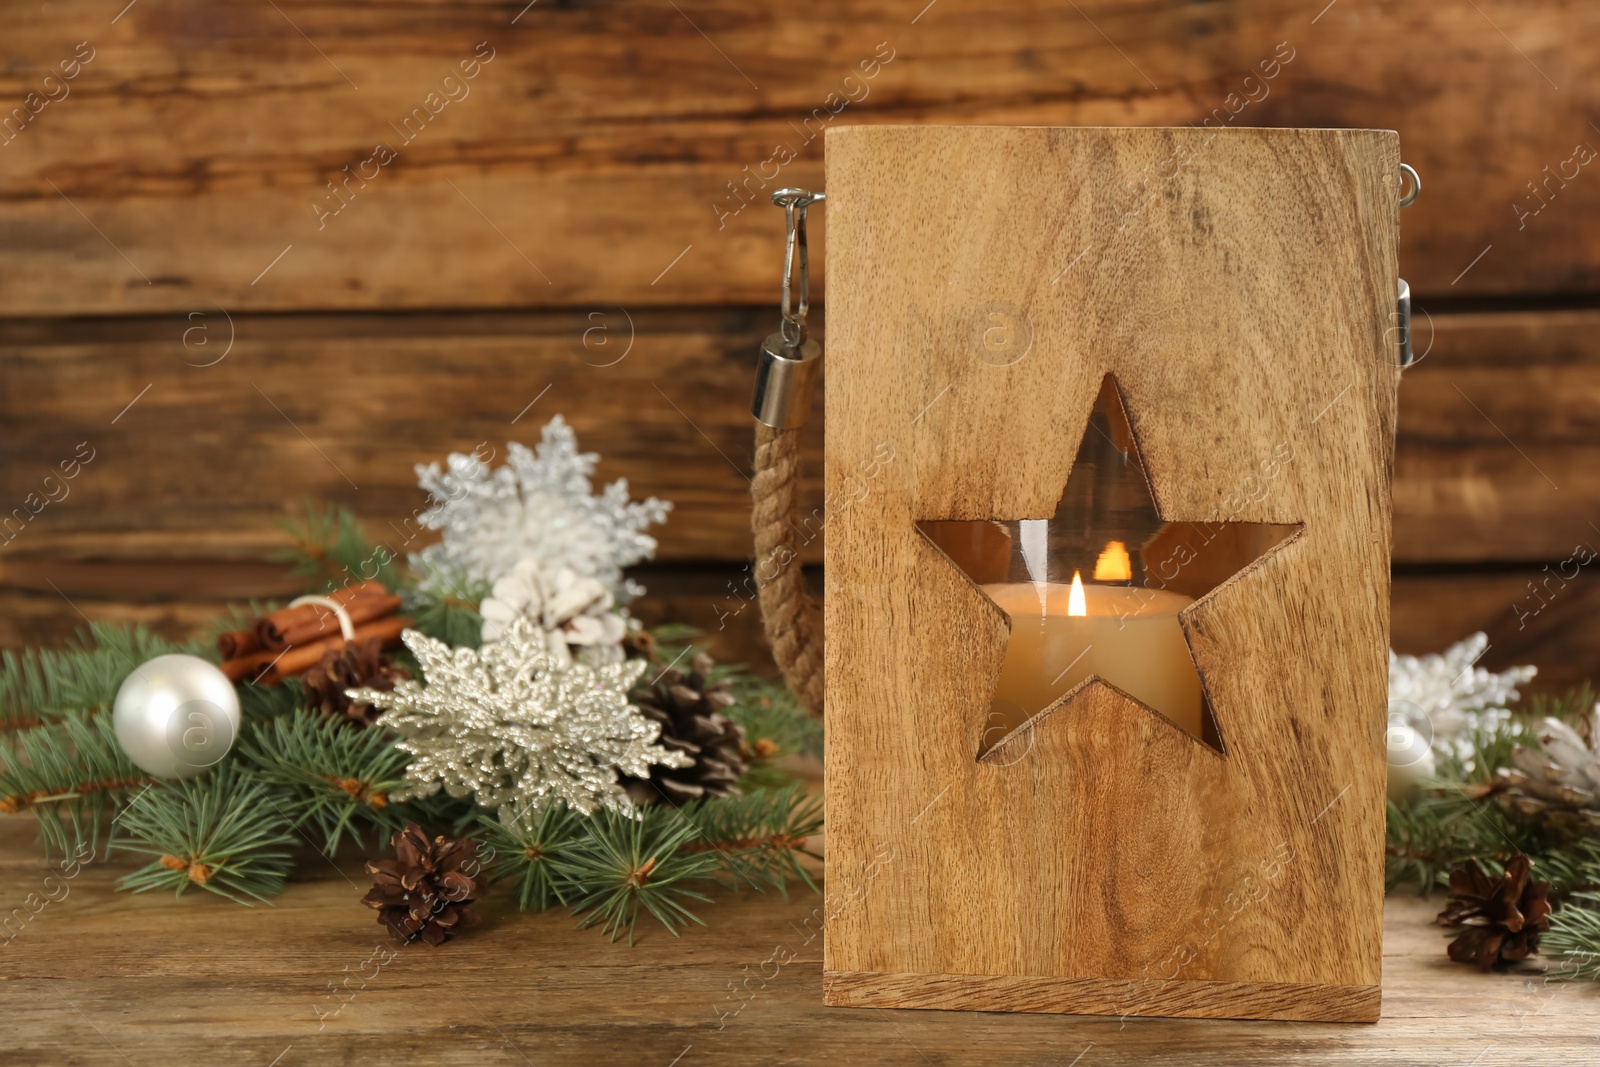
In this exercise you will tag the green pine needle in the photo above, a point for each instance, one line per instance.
(673, 638)
(1488, 750)
(758, 838)
(71, 774)
(775, 726)
(43, 685)
(628, 862)
(338, 778)
(1452, 822)
(1573, 943)
(1572, 707)
(611, 866)
(259, 703)
(223, 832)
(528, 850)
(453, 620)
(329, 550)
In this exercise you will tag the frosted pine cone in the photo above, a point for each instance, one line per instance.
(576, 615)
(1560, 780)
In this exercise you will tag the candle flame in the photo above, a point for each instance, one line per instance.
(1113, 564)
(1076, 605)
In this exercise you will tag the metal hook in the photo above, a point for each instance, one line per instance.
(786, 370)
(795, 203)
(1408, 171)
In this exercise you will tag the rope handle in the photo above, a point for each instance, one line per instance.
(786, 373)
(791, 616)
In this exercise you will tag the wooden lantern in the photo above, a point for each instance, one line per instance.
(1223, 302)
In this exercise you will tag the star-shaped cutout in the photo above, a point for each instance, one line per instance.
(1101, 590)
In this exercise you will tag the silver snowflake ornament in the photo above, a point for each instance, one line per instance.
(510, 726)
(539, 505)
(1445, 697)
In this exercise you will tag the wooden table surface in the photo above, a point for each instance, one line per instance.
(98, 977)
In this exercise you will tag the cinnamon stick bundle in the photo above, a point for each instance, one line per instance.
(245, 668)
(311, 620)
(269, 667)
(362, 609)
(236, 643)
(301, 658)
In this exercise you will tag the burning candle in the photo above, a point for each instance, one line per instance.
(1125, 635)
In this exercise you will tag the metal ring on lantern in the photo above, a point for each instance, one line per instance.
(1407, 171)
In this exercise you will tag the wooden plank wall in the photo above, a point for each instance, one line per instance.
(254, 252)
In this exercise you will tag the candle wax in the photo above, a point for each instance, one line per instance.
(1129, 637)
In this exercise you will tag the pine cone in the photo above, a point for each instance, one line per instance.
(358, 665)
(425, 892)
(1504, 915)
(689, 710)
(1558, 782)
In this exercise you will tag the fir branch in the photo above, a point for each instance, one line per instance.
(70, 774)
(337, 778)
(329, 550)
(1571, 870)
(1573, 941)
(1572, 707)
(770, 713)
(610, 865)
(671, 640)
(528, 849)
(450, 619)
(1458, 819)
(1486, 750)
(259, 703)
(629, 861)
(222, 832)
(39, 686)
(758, 838)
(1430, 837)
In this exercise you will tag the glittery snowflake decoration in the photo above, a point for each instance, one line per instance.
(1445, 697)
(540, 505)
(511, 727)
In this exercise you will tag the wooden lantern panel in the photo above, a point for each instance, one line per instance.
(1239, 285)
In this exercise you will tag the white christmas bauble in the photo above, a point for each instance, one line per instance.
(175, 716)
(1410, 761)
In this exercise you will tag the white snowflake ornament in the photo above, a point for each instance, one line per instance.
(540, 505)
(573, 613)
(1445, 697)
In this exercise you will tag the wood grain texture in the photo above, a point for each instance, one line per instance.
(104, 979)
(596, 149)
(1087, 996)
(203, 466)
(1528, 616)
(204, 462)
(1115, 848)
(1497, 434)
